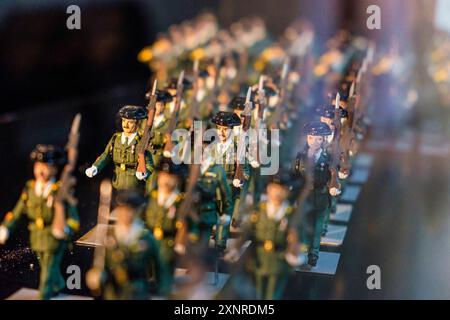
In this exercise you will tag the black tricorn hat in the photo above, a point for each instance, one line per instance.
(132, 112)
(328, 111)
(316, 128)
(268, 91)
(166, 165)
(163, 96)
(237, 103)
(50, 154)
(226, 119)
(130, 198)
(174, 81)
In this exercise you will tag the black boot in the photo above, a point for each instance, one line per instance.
(312, 259)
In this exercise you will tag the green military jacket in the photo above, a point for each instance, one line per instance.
(40, 212)
(228, 164)
(125, 160)
(269, 239)
(319, 196)
(215, 195)
(130, 265)
(164, 222)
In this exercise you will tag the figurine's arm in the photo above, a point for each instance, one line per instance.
(73, 220)
(12, 217)
(149, 164)
(105, 157)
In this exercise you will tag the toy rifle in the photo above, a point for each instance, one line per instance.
(282, 85)
(194, 112)
(240, 159)
(174, 118)
(104, 208)
(334, 182)
(145, 141)
(67, 180)
(261, 98)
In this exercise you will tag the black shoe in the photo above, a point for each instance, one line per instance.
(312, 259)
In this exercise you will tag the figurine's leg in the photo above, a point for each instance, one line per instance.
(51, 280)
(319, 215)
(222, 233)
(326, 219)
(260, 285)
(275, 286)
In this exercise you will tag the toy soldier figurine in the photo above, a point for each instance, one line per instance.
(319, 197)
(268, 228)
(162, 214)
(215, 201)
(131, 255)
(122, 150)
(225, 153)
(327, 115)
(160, 124)
(39, 203)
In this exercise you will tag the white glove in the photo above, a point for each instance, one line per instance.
(293, 260)
(180, 249)
(167, 154)
(237, 183)
(335, 192)
(254, 164)
(58, 234)
(342, 175)
(4, 234)
(141, 175)
(224, 220)
(92, 171)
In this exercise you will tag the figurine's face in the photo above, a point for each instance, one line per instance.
(43, 171)
(314, 142)
(167, 182)
(129, 125)
(172, 92)
(223, 132)
(328, 121)
(273, 101)
(277, 193)
(159, 107)
(125, 215)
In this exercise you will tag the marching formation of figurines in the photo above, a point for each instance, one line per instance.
(231, 80)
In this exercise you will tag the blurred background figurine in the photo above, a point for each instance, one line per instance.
(131, 255)
(39, 203)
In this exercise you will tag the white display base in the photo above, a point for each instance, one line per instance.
(33, 294)
(326, 264)
(335, 236)
(343, 213)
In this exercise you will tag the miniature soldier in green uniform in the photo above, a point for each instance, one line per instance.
(269, 229)
(162, 215)
(215, 202)
(131, 255)
(319, 197)
(326, 114)
(122, 151)
(38, 203)
(225, 152)
(160, 124)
